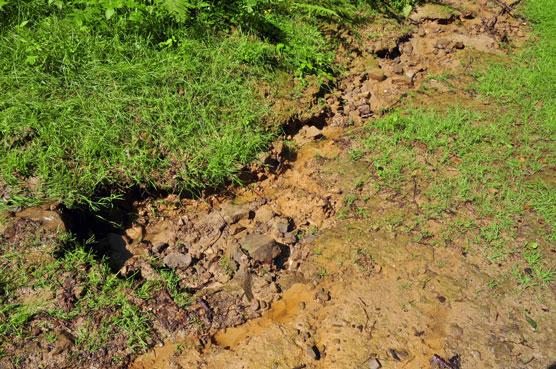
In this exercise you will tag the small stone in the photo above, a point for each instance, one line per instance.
(402, 80)
(442, 43)
(234, 213)
(178, 260)
(476, 355)
(398, 69)
(442, 299)
(375, 74)
(459, 45)
(235, 229)
(290, 238)
(283, 225)
(262, 248)
(255, 305)
(313, 132)
(264, 214)
(365, 109)
(374, 364)
(302, 305)
(422, 32)
(313, 352)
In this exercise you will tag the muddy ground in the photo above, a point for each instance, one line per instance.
(294, 271)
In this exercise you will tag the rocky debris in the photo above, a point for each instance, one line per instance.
(260, 247)
(234, 213)
(176, 260)
(398, 69)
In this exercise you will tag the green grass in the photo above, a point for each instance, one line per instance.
(102, 95)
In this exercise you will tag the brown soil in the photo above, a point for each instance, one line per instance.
(330, 292)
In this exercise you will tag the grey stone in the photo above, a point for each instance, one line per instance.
(365, 109)
(260, 247)
(178, 260)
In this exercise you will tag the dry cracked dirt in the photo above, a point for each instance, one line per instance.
(302, 268)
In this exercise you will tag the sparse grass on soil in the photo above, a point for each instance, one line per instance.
(483, 165)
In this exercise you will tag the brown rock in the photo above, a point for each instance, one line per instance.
(260, 247)
(233, 213)
(398, 69)
(375, 74)
(264, 214)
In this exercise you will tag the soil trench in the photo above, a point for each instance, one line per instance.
(279, 279)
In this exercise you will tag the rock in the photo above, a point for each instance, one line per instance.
(422, 32)
(51, 220)
(234, 213)
(302, 305)
(282, 225)
(398, 69)
(355, 117)
(313, 133)
(262, 248)
(365, 109)
(134, 233)
(375, 74)
(255, 305)
(235, 229)
(313, 352)
(264, 214)
(459, 45)
(374, 364)
(402, 80)
(178, 260)
(442, 43)
(290, 238)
